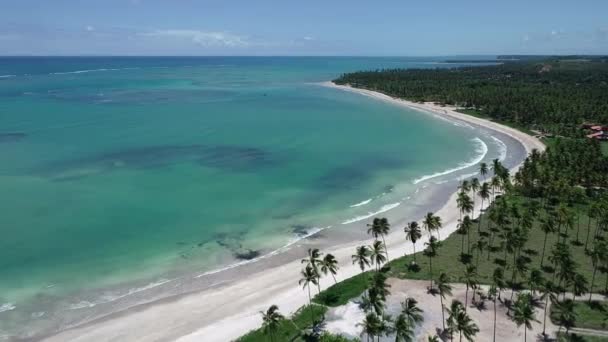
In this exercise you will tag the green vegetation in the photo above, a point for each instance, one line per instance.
(552, 95)
(604, 146)
(342, 292)
(592, 315)
(289, 329)
(581, 338)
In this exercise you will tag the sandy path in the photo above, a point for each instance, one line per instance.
(227, 312)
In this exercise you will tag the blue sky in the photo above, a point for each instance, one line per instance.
(313, 27)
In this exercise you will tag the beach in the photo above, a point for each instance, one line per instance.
(230, 307)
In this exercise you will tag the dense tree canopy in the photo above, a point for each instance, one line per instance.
(552, 95)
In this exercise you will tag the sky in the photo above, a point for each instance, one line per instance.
(312, 27)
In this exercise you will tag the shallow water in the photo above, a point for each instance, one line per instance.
(122, 171)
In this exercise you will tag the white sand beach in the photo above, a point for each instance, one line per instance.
(227, 311)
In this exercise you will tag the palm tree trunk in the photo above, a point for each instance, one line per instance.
(385, 250)
(545, 315)
(525, 333)
(334, 276)
(431, 270)
(466, 298)
(442, 311)
(414, 245)
(592, 280)
(479, 219)
(312, 315)
(494, 333)
(588, 233)
(542, 256)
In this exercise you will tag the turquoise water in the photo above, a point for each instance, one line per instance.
(118, 169)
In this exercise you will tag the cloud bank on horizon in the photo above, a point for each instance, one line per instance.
(269, 27)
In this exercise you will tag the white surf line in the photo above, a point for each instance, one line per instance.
(361, 203)
(370, 214)
(482, 150)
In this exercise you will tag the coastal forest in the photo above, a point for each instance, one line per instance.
(554, 95)
(535, 257)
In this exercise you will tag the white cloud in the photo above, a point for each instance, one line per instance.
(308, 38)
(204, 38)
(89, 28)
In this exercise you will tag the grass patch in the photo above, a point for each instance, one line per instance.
(342, 292)
(449, 254)
(604, 146)
(562, 337)
(290, 329)
(589, 315)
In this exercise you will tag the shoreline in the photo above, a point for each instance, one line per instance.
(226, 312)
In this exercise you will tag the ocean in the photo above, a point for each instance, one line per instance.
(120, 174)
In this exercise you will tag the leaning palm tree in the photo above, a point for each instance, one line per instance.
(309, 276)
(523, 314)
(329, 264)
(429, 222)
(403, 330)
(474, 188)
(431, 252)
(493, 294)
(564, 314)
(362, 257)
(548, 293)
(271, 321)
(464, 203)
(484, 193)
(453, 312)
(379, 228)
(444, 288)
(412, 312)
(377, 254)
(413, 234)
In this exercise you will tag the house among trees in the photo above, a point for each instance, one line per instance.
(597, 132)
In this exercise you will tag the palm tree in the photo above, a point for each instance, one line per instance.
(579, 285)
(470, 279)
(453, 311)
(362, 257)
(379, 227)
(459, 321)
(480, 246)
(484, 193)
(483, 170)
(431, 252)
(464, 203)
(598, 254)
(411, 311)
(523, 314)
(272, 320)
(377, 254)
(433, 339)
(371, 326)
(444, 288)
(429, 222)
(404, 332)
(329, 264)
(309, 276)
(535, 280)
(496, 185)
(474, 188)
(564, 313)
(492, 294)
(548, 294)
(548, 226)
(498, 279)
(413, 234)
(314, 259)
(464, 229)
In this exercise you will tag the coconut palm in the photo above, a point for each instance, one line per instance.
(431, 251)
(564, 314)
(314, 260)
(433, 339)
(404, 332)
(498, 279)
(579, 285)
(535, 280)
(464, 203)
(309, 276)
(413, 314)
(271, 321)
(379, 228)
(548, 293)
(379, 285)
(453, 311)
(371, 326)
(548, 226)
(413, 234)
(377, 254)
(479, 246)
(362, 257)
(429, 222)
(483, 170)
(329, 264)
(474, 188)
(470, 280)
(523, 313)
(445, 289)
(598, 255)
(484, 193)
(464, 229)
(465, 186)
(496, 185)
(492, 294)
(466, 327)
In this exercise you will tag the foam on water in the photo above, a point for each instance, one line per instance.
(370, 214)
(482, 151)
(7, 307)
(361, 203)
(91, 70)
(7, 76)
(113, 297)
(502, 148)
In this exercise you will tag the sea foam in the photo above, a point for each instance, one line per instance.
(361, 203)
(502, 148)
(482, 151)
(7, 307)
(370, 214)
